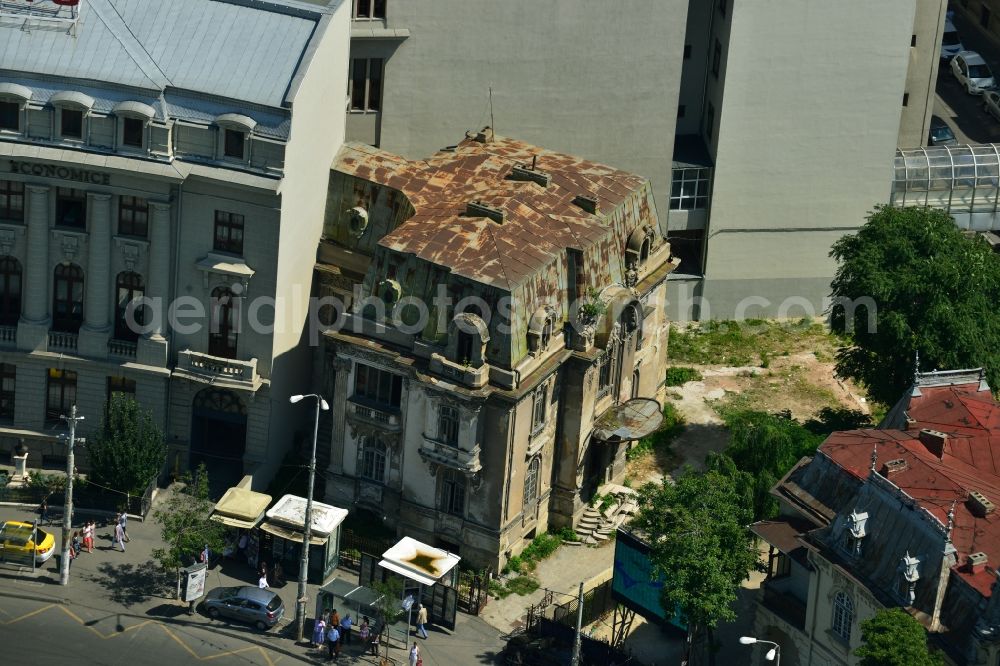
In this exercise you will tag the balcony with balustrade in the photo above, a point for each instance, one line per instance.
(386, 417)
(8, 336)
(434, 451)
(222, 372)
(62, 341)
(122, 348)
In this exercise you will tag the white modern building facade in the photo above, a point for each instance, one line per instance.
(174, 152)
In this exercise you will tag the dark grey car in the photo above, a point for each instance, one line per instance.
(253, 605)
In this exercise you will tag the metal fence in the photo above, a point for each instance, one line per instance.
(85, 497)
(596, 603)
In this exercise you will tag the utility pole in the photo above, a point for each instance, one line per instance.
(579, 627)
(300, 602)
(68, 507)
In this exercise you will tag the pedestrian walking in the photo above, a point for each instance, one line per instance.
(319, 632)
(43, 512)
(345, 629)
(205, 555)
(279, 573)
(364, 630)
(262, 583)
(88, 536)
(120, 536)
(414, 655)
(241, 545)
(332, 642)
(335, 619)
(421, 621)
(123, 521)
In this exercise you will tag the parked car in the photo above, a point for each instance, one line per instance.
(16, 542)
(972, 72)
(262, 608)
(991, 103)
(941, 134)
(951, 43)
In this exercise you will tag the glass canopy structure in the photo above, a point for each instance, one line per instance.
(964, 181)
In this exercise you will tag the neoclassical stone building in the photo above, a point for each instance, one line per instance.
(503, 305)
(142, 158)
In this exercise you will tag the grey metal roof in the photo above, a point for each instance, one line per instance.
(229, 49)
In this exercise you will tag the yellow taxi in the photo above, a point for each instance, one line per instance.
(16, 542)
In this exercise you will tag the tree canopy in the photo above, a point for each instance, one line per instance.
(893, 638)
(934, 290)
(697, 530)
(129, 450)
(185, 525)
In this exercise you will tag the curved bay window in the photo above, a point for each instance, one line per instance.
(10, 291)
(67, 298)
(373, 457)
(224, 330)
(128, 288)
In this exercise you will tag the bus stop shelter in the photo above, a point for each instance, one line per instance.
(423, 567)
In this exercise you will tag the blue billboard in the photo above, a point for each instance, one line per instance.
(633, 584)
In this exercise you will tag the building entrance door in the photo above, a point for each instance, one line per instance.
(218, 438)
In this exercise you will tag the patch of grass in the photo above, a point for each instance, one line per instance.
(674, 395)
(566, 534)
(541, 546)
(679, 375)
(522, 585)
(659, 441)
(748, 342)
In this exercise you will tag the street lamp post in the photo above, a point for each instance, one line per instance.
(300, 603)
(774, 654)
(68, 507)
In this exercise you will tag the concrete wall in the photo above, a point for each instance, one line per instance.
(792, 177)
(921, 75)
(594, 79)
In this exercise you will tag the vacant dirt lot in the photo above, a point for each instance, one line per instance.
(785, 366)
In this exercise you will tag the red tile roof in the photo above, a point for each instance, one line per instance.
(970, 461)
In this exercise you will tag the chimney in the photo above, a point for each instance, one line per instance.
(893, 468)
(485, 135)
(934, 441)
(479, 209)
(586, 202)
(977, 562)
(524, 173)
(979, 504)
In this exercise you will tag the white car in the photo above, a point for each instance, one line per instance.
(951, 43)
(991, 103)
(972, 72)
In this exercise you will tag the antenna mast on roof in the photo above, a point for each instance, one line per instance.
(492, 124)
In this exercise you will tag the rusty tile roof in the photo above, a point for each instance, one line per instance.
(539, 224)
(970, 461)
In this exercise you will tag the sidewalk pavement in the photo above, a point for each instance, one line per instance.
(131, 583)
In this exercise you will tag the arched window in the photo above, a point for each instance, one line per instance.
(10, 291)
(373, 457)
(453, 493)
(635, 383)
(67, 298)
(224, 329)
(843, 616)
(129, 287)
(531, 482)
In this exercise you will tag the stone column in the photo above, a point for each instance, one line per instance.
(98, 279)
(36, 296)
(153, 346)
(94, 333)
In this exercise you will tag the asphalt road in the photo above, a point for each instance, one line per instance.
(34, 632)
(964, 112)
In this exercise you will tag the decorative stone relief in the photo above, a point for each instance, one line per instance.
(8, 239)
(69, 244)
(131, 253)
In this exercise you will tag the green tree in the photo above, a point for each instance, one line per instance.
(185, 526)
(389, 607)
(765, 446)
(935, 292)
(697, 530)
(892, 637)
(129, 450)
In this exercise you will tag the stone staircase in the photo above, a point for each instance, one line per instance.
(597, 526)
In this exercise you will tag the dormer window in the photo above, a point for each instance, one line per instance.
(467, 338)
(71, 124)
(235, 130)
(638, 247)
(235, 144)
(856, 530)
(540, 330)
(133, 118)
(72, 109)
(909, 570)
(13, 99)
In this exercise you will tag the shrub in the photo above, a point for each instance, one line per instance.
(678, 376)
(658, 441)
(566, 534)
(522, 585)
(514, 565)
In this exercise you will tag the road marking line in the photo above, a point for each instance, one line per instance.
(180, 642)
(31, 614)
